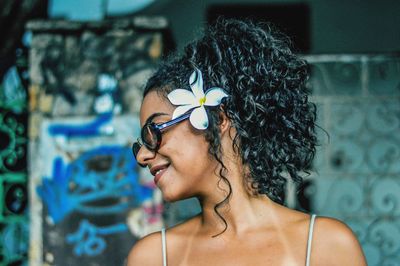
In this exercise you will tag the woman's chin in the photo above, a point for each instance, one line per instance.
(173, 197)
(170, 197)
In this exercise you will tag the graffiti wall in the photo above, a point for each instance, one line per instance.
(90, 201)
(92, 191)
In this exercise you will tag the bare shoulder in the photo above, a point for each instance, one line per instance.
(334, 243)
(146, 251)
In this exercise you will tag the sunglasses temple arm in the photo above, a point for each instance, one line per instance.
(173, 121)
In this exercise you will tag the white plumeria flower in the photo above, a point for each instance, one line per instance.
(196, 100)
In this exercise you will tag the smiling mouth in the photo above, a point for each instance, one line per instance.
(158, 174)
(158, 171)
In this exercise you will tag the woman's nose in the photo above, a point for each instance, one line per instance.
(145, 155)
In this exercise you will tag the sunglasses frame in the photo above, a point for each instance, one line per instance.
(157, 130)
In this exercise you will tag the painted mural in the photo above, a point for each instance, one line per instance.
(89, 200)
(96, 202)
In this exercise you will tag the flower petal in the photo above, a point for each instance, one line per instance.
(198, 118)
(214, 96)
(196, 84)
(180, 110)
(181, 97)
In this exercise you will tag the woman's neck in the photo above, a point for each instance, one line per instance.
(241, 213)
(242, 210)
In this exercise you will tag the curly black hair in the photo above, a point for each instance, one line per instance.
(267, 104)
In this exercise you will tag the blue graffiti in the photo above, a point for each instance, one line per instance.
(90, 129)
(102, 181)
(54, 192)
(88, 240)
(104, 173)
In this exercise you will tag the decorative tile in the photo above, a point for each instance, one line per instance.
(14, 238)
(384, 76)
(346, 156)
(385, 234)
(383, 156)
(335, 78)
(339, 197)
(346, 118)
(383, 117)
(384, 196)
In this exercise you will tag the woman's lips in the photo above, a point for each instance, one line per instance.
(158, 170)
(158, 175)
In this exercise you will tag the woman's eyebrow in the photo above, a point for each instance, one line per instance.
(150, 118)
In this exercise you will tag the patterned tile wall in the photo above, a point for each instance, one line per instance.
(14, 207)
(357, 168)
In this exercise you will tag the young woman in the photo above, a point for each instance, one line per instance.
(228, 122)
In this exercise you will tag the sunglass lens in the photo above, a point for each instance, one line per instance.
(135, 149)
(150, 137)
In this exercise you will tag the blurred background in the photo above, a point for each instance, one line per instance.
(71, 79)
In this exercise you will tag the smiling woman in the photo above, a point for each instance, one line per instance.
(226, 122)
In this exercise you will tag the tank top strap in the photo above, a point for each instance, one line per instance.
(164, 247)
(309, 241)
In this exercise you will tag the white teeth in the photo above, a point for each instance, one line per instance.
(159, 170)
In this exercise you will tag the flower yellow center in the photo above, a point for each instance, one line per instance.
(202, 101)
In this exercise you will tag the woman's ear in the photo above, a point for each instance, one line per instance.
(224, 123)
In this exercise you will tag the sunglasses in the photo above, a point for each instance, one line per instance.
(151, 135)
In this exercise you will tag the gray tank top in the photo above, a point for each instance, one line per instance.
(309, 242)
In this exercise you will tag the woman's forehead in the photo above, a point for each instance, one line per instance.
(154, 105)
